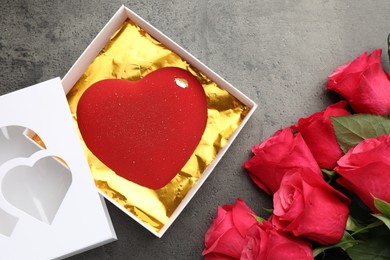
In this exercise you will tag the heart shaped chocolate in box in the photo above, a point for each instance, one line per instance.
(146, 130)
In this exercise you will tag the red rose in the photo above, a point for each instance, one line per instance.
(225, 238)
(365, 170)
(318, 133)
(277, 155)
(364, 84)
(309, 207)
(263, 241)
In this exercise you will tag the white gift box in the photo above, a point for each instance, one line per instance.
(94, 49)
(49, 207)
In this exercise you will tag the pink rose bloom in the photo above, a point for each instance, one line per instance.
(309, 207)
(277, 155)
(263, 241)
(365, 170)
(364, 84)
(318, 133)
(225, 238)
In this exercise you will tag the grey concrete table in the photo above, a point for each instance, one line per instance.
(277, 52)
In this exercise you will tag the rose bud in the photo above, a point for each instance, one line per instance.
(225, 238)
(318, 133)
(364, 84)
(277, 155)
(309, 207)
(263, 241)
(365, 170)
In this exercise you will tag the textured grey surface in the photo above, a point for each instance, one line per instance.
(277, 52)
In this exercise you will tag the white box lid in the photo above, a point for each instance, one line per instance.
(48, 209)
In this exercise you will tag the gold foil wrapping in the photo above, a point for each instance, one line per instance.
(131, 54)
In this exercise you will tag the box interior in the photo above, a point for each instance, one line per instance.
(77, 73)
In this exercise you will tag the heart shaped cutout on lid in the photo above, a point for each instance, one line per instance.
(38, 190)
(7, 223)
(17, 141)
(146, 130)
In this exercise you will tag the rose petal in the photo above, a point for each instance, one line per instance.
(243, 217)
(367, 181)
(319, 212)
(267, 171)
(318, 133)
(364, 84)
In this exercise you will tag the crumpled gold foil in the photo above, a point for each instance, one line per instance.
(131, 54)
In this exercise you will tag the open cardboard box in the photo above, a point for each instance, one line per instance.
(49, 207)
(96, 46)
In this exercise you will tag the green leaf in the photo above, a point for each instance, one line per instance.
(384, 219)
(353, 225)
(351, 130)
(259, 219)
(346, 242)
(388, 45)
(368, 227)
(329, 175)
(382, 206)
(270, 211)
(375, 246)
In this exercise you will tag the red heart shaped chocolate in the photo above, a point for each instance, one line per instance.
(146, 130)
